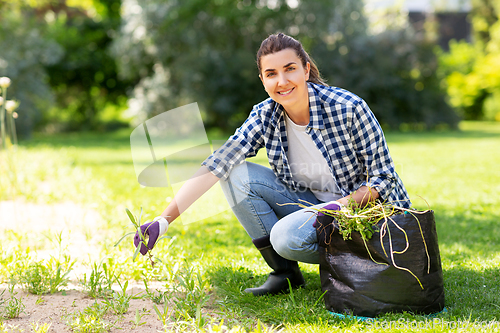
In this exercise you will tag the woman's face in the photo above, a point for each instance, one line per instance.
(284, 78)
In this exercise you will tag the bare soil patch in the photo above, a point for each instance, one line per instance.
(79, 224)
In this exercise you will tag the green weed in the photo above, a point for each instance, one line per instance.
(46, 276)
(100, 280)
(12, 306)
(193, 297)
(43, 328)
(138, 317)
(90, 320)
(119, 301)
(163, 315)
(158, 297)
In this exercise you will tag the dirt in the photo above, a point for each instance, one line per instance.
(77, 224)
(56, 310)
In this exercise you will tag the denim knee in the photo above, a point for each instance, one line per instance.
(283, 242)
(294, 238)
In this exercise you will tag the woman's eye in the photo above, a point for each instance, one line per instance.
(270, 74)
(290, 69)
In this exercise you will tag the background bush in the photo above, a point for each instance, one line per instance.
(80, 65)
(471, 72)
(24, 53)
(204, 51)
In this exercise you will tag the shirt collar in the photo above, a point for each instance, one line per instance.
(316, 109)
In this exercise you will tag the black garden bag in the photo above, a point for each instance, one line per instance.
(410, 279)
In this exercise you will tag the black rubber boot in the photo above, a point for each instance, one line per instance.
(284, 270)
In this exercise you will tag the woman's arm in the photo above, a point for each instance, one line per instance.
(194, 188)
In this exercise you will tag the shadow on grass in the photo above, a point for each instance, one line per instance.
(304, 305)
(470, 130)
(115, 139)
(111, 139)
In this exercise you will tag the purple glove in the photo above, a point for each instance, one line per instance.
(333, 205)
(152, 230)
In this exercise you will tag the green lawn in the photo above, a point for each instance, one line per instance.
(455, 173)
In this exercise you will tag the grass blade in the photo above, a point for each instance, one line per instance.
(126, 235)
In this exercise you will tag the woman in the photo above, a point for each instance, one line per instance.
(324, 146)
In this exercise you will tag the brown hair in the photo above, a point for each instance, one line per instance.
(278, 42)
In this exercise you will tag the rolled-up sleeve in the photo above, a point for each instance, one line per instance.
(372, 151)
(245, 143)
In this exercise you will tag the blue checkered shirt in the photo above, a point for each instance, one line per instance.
(343, 128)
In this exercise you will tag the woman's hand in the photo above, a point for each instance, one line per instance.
(361, 196)
(151, 231)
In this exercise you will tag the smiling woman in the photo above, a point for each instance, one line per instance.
(324, 146)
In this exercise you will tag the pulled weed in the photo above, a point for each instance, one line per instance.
(136, 223)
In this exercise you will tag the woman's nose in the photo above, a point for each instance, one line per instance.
(282, 79)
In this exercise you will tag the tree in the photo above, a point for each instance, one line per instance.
(85, 80)
(24, 53)
(203, 51)
(471, 71)
(57, 56)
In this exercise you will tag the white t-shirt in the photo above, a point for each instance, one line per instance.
(308, 166)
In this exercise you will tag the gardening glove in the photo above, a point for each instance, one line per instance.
(332, 205)
(153, 231)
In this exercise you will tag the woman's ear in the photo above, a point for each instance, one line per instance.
(307, 70)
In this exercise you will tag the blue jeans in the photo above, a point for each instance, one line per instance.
(265, 206)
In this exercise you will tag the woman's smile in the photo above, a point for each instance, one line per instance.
(286, 92)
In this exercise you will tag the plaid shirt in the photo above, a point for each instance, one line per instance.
(344, 130)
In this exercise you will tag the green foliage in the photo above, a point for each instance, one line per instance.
(85, 80)
(24, 53)
(204, 51)
(395, 73)
(58, 56)
(90, 320)
(12, 306)
(47, 276)
(452, 170)
(100, 281)
(471, 72)
(119, 301)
